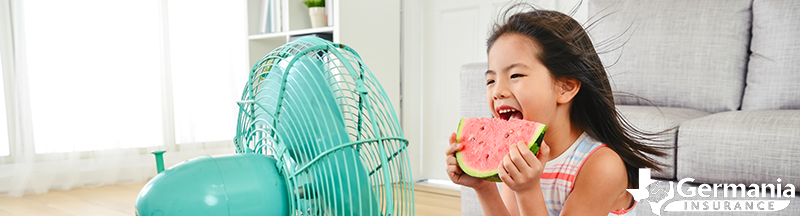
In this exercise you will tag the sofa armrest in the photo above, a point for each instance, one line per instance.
(470, 206)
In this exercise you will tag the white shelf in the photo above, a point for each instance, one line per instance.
(295, 21)
(327, 29)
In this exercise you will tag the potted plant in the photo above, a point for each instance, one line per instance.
(316, 10)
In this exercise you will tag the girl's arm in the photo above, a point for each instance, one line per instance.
(521, 172)
(510, 199)
(600, 183)
(491, 202)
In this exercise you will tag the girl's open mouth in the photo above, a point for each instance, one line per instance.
(507, 113)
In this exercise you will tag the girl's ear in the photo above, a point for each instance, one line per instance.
(567, 88)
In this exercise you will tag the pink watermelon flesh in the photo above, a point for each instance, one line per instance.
(487, 140)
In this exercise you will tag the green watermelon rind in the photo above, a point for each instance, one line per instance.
(491, 175)
(460, 127)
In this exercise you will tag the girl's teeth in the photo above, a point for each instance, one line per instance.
(505, 111)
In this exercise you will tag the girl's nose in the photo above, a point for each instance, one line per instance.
(500, 89)
(500, 95)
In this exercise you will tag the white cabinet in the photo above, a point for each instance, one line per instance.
(295, 21)
(370, 27)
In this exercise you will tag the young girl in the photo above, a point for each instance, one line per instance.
(543, 68)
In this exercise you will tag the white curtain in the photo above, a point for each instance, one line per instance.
(6, 65)
(99, 84)
(4, 144)
(207, 76)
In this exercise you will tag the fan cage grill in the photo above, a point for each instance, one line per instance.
(367, 116)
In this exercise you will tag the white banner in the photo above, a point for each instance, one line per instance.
(727, 205)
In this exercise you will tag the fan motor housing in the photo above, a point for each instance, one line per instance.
(239, 184)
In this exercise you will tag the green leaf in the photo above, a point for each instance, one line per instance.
(314, 3)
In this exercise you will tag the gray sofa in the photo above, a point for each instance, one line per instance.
(726, 73)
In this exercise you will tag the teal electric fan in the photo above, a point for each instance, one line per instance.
(317, 135)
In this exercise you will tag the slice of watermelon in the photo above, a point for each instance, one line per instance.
(486, 142)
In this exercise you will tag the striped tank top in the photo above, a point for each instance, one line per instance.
(559, 174)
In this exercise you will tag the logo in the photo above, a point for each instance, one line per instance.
(711, 197)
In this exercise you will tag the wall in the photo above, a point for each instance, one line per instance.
(372, 28)
(438, 37)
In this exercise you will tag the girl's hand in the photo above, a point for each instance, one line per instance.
(521, 170)
(454, 171)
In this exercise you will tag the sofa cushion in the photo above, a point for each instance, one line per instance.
(683, 53)
(470, 205)
(741, 147)
(774, 69)
(656, 119)
(473, 90)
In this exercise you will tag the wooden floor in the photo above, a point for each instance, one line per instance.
(436, 201)
(106, 200)
(114, 200)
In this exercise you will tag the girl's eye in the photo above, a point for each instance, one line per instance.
(489, 82)
(516, 75)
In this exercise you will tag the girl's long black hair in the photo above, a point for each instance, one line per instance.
(567, 52)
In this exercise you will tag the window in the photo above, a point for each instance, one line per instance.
(109, 80)
(208, 56)
(94, 74)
